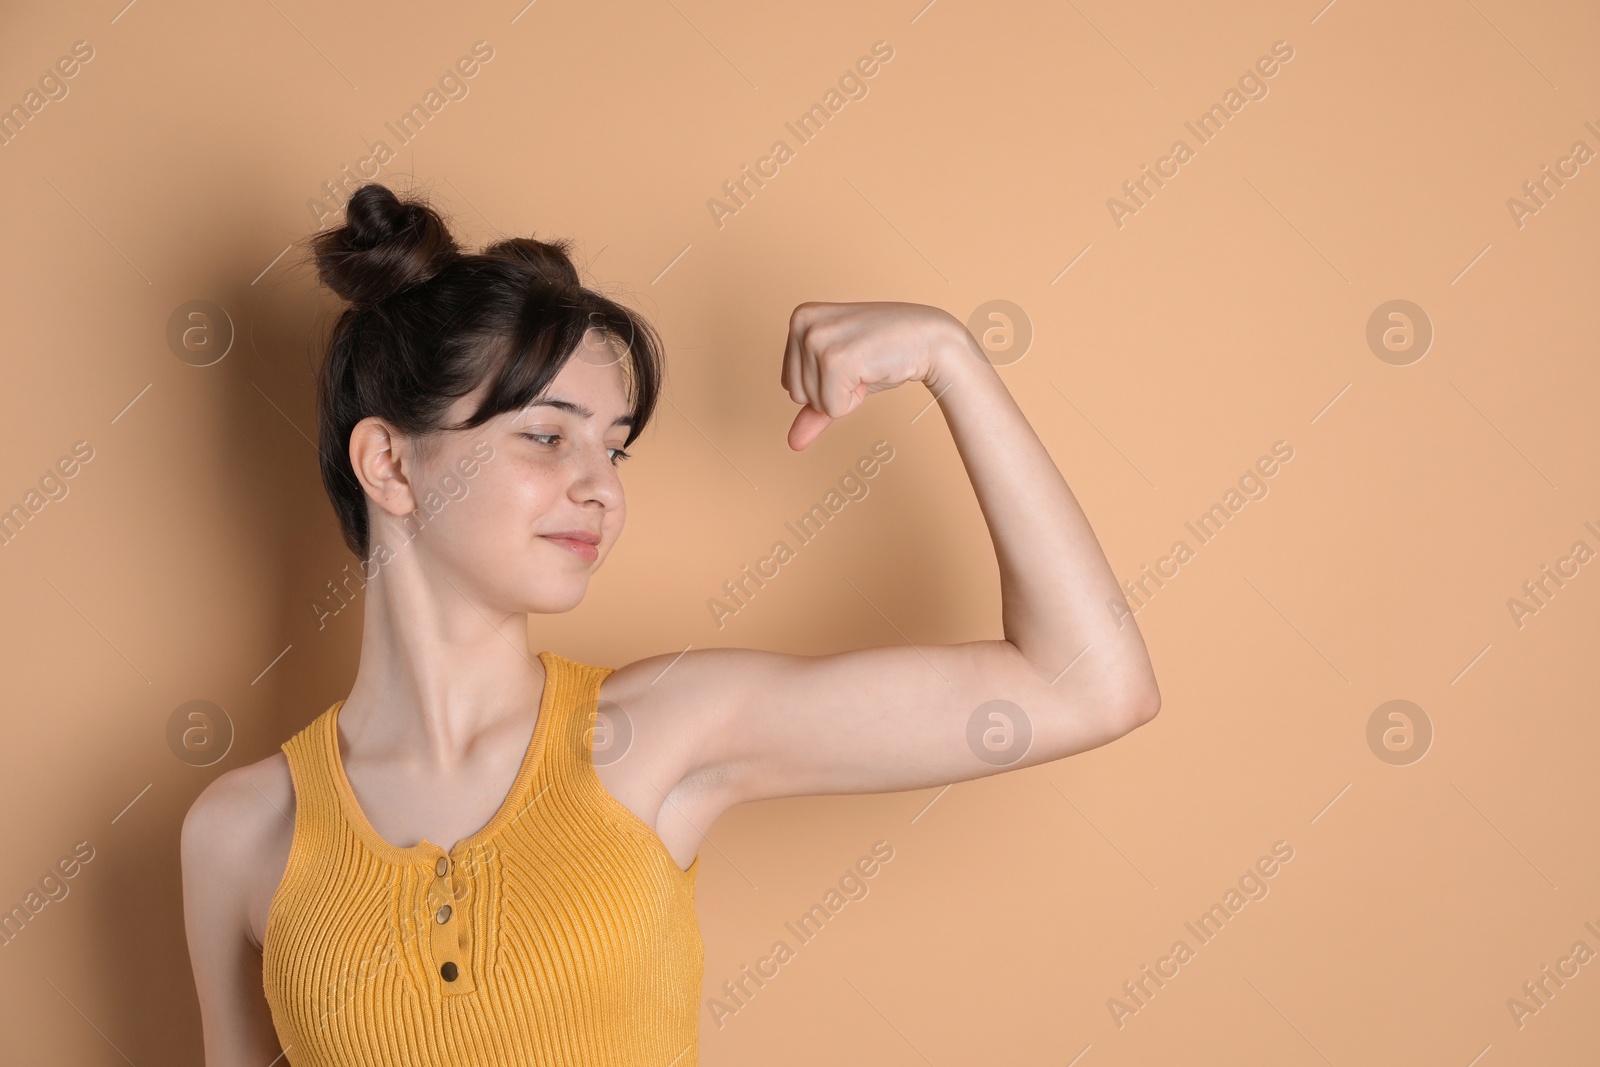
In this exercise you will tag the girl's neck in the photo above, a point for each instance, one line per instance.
(437, 668)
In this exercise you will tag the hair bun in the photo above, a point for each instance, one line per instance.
(385, 245)
(548, 258)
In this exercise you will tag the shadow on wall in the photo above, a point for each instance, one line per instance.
(282, 667)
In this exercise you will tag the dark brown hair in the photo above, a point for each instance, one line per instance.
(428, 323)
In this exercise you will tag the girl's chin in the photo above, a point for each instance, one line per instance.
(553, 598)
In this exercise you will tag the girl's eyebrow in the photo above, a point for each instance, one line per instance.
(579, 410)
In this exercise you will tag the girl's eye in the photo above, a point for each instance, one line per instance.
(617, 454)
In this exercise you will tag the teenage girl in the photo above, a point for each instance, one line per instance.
(484, 856)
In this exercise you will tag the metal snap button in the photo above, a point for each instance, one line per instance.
(443, 914)
(442, 866)
(449, 972)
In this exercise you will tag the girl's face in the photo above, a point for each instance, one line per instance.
(549, 469)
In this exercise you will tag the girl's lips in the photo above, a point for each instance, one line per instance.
(582, 549)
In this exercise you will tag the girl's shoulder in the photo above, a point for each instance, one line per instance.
(235, 843)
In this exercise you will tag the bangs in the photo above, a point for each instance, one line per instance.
(555, 324)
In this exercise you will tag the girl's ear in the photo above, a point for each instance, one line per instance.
(384, 461)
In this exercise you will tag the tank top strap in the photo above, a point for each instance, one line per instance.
(582, 726)
(319, 818)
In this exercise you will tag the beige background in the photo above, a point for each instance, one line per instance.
(1229, 313)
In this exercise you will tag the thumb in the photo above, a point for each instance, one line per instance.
(807, 425)
(810, 422)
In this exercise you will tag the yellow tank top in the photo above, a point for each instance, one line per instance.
(563, 932)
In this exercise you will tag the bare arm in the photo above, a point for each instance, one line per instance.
(1071, 674)
(225, 835)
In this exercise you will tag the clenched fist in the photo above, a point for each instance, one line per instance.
(838, 353)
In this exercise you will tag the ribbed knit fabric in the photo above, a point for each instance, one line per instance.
(571, 932)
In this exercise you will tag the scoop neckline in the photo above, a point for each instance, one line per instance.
(425, 850)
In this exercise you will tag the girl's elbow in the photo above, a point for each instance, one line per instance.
(1141, 709)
